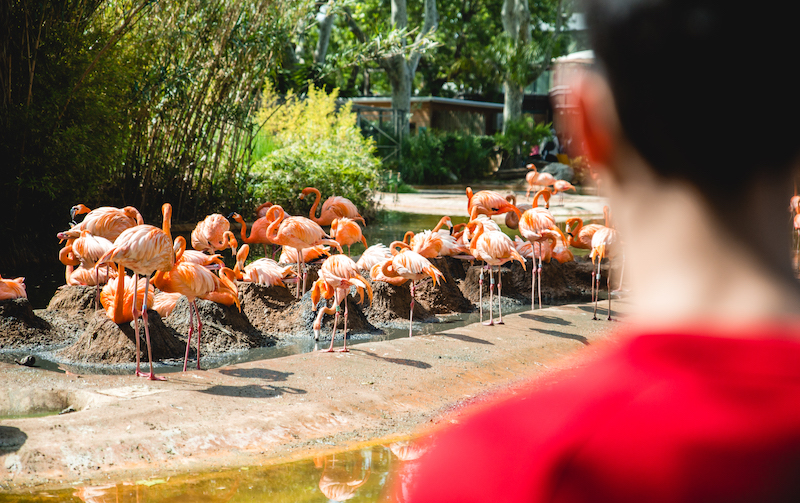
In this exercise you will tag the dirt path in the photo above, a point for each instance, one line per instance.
(454, 203)
(128, 428)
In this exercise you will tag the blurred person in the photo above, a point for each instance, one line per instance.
(699, 398)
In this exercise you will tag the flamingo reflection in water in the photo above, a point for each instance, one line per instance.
(344, 473)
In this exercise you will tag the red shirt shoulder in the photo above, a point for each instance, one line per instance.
(665, 418)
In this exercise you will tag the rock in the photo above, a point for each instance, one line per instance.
(560, 171)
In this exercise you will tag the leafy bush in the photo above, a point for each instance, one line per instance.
(518, 138)
(445, 157)
(316, 145)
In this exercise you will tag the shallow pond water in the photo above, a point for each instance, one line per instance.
(362, 475)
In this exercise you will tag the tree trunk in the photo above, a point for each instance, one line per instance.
(325, 27)
(516, 23)
(400, 70)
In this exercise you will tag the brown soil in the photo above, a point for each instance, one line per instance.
(392, 304)
(21, 328)
(104, 341)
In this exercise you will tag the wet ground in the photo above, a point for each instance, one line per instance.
(127, 429)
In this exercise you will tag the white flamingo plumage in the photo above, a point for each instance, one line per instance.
(337, 274)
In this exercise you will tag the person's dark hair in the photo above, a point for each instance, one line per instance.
(704, 89)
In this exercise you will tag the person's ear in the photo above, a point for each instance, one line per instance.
(594, 125)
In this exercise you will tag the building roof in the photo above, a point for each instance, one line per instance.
(367, 100)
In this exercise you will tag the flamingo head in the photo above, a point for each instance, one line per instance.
(78, 209)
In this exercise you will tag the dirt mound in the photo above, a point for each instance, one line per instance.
(391, 304)
(225, 329)
(567, 282)
(261, 304)
(21, 328)
(103, 341)
(73, 299)
(446, 297)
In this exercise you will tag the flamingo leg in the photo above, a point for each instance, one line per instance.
(539, 280)
(411, 313)
(594, 316)
(499, 296)
(303, 267)
(136, 313)
(345, 350)
(491, 298)
(152, 375)
(189, 339)
(480, 293)
(533, 283)
(199, 332)
(335, 324)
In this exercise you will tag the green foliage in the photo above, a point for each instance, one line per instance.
(522, 134)
(445, 157)
(317, 145)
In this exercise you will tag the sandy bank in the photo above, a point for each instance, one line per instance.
(128, 428)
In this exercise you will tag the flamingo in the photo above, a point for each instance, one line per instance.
(88, 249)
(346, 232)
(532, 224)
(263, 271)
(512, 219)
(143, 249)
(375, 254)
(405, 265)
(262, 209)
(106, 221)
(212, 234)
(436, 242)
(258, 232)
(213, 262)
(117, 297)
(604, 244)
(487, 202)
(337, 274)
(495, 248)
(333, 207)
(191, 280)
(535, 178)
(289, 254)
(580, 236)
(298, 233)
(164, 302)
(12, 288)
(561, 186)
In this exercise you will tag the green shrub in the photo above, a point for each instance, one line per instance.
(314, 145)
(518, 138)
(445, 157)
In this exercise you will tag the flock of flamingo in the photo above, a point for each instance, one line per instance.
(109, 241)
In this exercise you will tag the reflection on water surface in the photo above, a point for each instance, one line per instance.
(363, 475)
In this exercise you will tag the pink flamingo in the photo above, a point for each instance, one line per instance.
(405, 265)
(289, 254)
(263, 271)
(535, 178)
(604, 244)
(107, 221)
(488, 202)
(298, 233)
(532, 226)
(258, 232)
(337, 274)
(212, 234)
(333, 207)
(347, 232)
(495, 248)
(512, 219)
(143, 249)
(12, 288)
(561, 186)
(191, 280)
(375, 254)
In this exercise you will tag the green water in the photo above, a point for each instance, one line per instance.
(362, 475)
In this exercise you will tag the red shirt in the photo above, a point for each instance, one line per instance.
(665, 418)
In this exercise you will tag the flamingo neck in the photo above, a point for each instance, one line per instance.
(441, 223)
(313, 212)
(272, 230)
(166, 222)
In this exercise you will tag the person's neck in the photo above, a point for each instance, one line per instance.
(685, 268)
